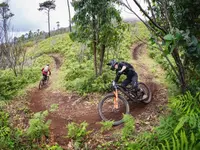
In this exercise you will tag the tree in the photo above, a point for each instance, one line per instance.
(5, 16)
(30, 34)
(70, 27)
(38, 32)
(58, 24)
(175, 24)
(48, 6)
(96, 21)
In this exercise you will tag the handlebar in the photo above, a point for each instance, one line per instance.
(114, 84)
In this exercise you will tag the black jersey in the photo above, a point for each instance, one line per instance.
(128, 67)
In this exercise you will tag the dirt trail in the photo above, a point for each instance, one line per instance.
(72, 107)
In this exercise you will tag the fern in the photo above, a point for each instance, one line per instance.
(187, 109)
(181, 123)
(129, 127)
(166, 128)
(179, 142)
(167, 145)
(38, 126)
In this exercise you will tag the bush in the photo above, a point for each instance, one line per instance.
(38, 126)
(10, 84)
(10, 138)
(78, 133)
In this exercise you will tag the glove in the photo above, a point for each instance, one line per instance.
(119, 73)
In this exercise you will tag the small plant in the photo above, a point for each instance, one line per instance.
(38, 126)
(54, 107)
(129, 127)
(106, 125)
(77, 132)
(54, 147)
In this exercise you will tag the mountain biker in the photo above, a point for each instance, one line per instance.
(45, 72)
(128, 70)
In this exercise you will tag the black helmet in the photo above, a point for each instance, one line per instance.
(47, 64)
(112, 63)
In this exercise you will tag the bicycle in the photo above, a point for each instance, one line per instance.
(114, 105)
(43, 82)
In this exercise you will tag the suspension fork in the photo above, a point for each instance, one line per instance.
(116, 105)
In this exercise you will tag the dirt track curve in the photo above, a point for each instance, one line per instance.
(72, 107)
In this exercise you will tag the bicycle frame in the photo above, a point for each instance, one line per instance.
(126, 93)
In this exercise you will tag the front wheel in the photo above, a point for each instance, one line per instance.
(107, 111)
(41, 84)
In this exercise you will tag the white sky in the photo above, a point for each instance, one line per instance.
(27, 17)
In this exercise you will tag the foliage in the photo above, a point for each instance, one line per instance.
(129, 127)
(106, 125)
(54, 147)
(187, 111)
(77, 132)
(180, 142)
(97, 23)
(53, 107)
(179, 130)
(10, 84)
(10, 138)
(38, 126)
(174, 28)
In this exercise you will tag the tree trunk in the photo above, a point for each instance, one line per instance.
(5, 24)
(70, 27)
(5, 30)
(49, 28)
(95, 56)
(94, 44)
(102, 59)
(181, 70)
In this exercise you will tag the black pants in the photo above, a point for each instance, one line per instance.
(132, 78)
(44, 77)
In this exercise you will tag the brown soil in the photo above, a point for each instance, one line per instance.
(74, 108)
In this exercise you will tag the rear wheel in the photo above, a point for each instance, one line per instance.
(146, 91)
(107, 111)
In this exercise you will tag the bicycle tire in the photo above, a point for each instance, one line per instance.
(41, 84)
(100, 106)
(149, 95)
(47, 79)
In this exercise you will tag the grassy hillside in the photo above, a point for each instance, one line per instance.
(76, 73)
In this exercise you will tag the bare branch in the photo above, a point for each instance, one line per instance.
(145, 23)
(152, 13)
(153, 22)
